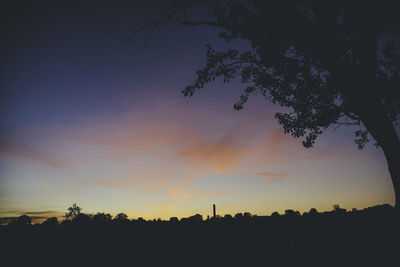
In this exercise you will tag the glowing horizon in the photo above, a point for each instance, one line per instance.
(239, 160)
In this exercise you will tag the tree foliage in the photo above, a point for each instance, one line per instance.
(73, 211)
(325, 61)
(121, 217)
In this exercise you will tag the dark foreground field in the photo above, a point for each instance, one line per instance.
(359, 238)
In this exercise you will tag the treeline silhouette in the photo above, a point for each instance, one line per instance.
(348, 237)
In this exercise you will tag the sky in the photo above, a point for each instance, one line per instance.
(89, 119)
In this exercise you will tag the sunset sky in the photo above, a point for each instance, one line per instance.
(87, 118)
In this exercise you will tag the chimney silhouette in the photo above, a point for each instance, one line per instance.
(215, 215)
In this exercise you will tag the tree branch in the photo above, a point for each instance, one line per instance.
(202, 22)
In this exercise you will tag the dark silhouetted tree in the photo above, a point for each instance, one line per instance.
(102, 217)
(73, 211)
(141, 220)
(238, 216)
(121, 218)
(228, 218)
(291, 213)
(330, 63)
(24, 220)
(195, 218)
(313, 211)
(247, 215)
(82, 219)
(275, 214)
(173, 220)
(52, 221)
(338, 209)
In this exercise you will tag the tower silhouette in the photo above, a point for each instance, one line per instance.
(215, 215)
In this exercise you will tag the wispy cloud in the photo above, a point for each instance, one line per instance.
(36, 216)
(271, 177)
(276, 137)
(46, 212)
(19, 150)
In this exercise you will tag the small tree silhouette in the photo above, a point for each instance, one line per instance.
(73, 211)
(338, 209)
(24, 219)
(121, 217)
(53, 221)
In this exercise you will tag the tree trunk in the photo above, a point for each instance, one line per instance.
(382, 130)
(393, 160)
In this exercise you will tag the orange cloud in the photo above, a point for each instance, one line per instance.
(276, 138)
(219, 156)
